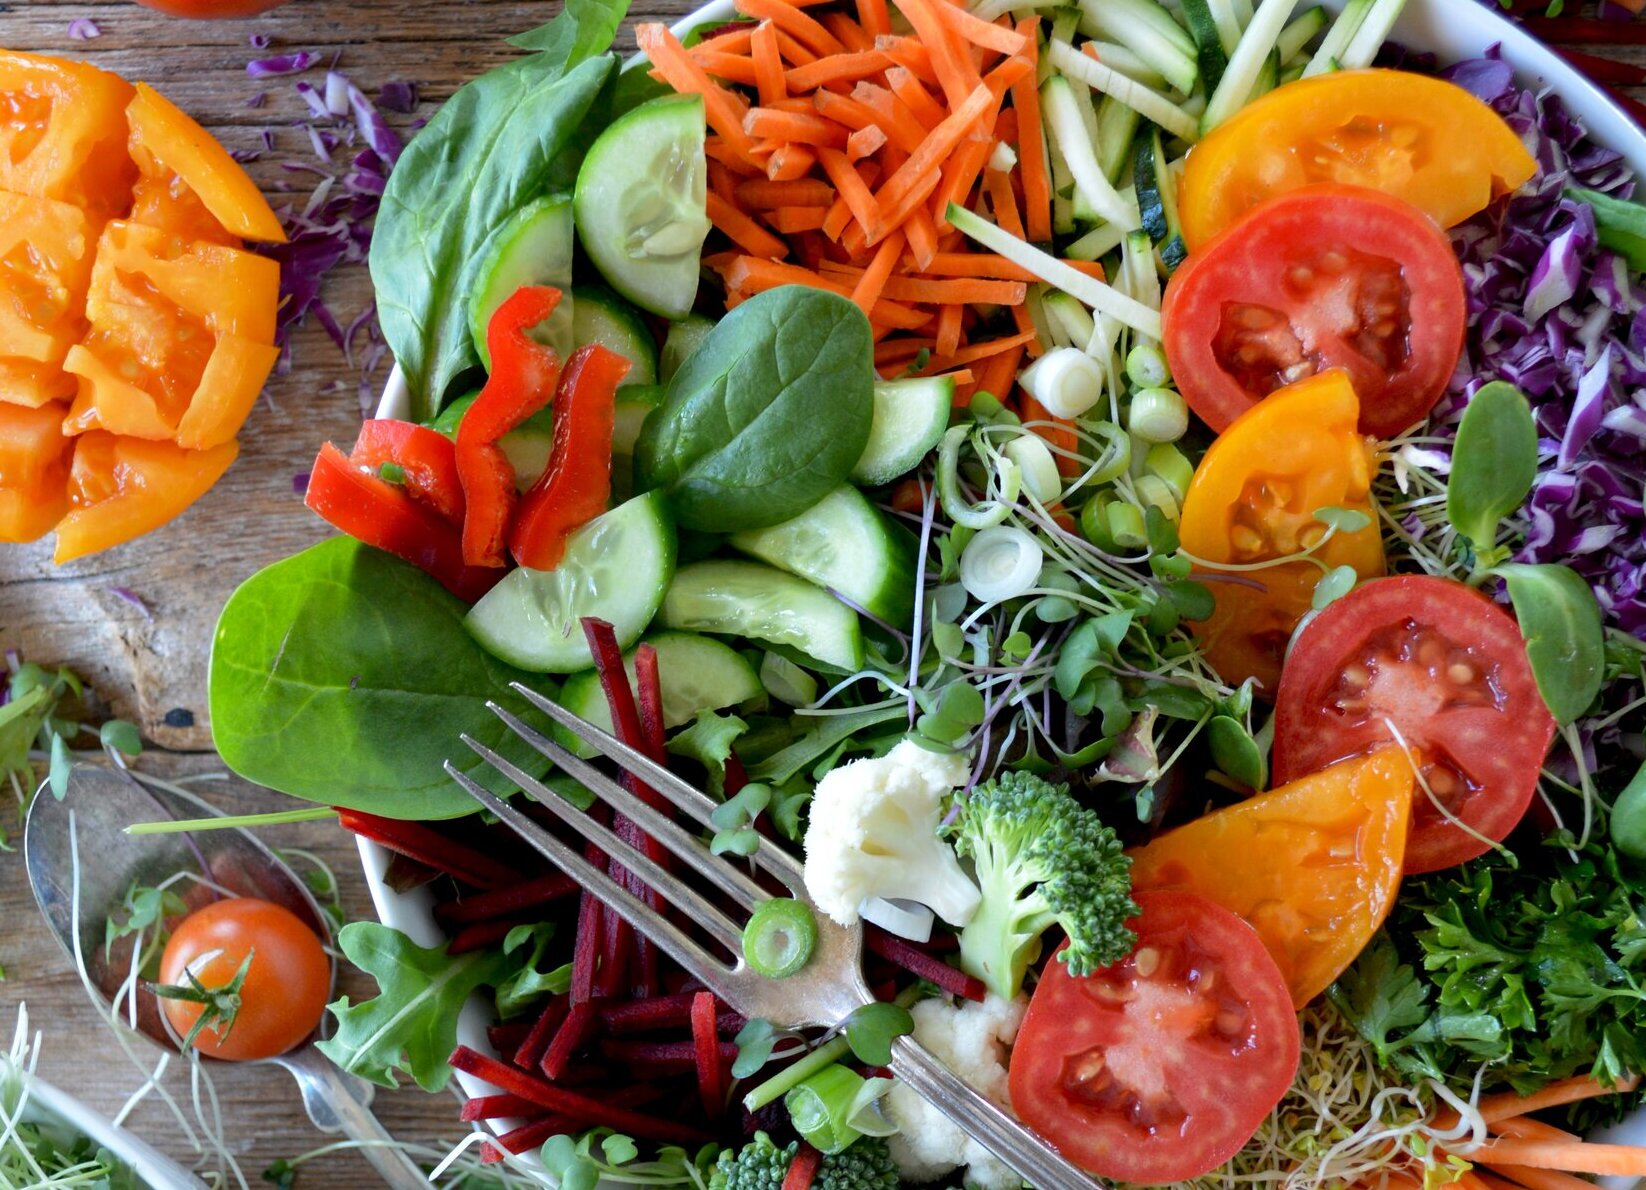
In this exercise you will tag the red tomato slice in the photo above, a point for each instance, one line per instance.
(1448, 668)
(1159, 1068)
(1321, 277)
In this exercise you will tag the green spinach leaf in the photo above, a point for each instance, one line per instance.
(493, 147)
(411, 1025)
(767, 416)
(1560, 620)
(343, 675)
(1493, 463)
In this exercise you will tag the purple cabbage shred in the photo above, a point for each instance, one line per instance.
(280, 64)
(84, 29)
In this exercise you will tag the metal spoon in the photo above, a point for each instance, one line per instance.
(105, 801)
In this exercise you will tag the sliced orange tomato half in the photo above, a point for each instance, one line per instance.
(1255, 497)
(1418, 138)
(1313, 866)
(121, 488)
(33, 471)
(63, 132)
(45, 266)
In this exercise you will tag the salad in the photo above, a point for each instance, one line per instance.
(1144, 500)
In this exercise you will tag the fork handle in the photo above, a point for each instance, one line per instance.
(1038, 1163)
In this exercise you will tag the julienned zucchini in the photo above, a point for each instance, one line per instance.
(1148, 30)
(1156, 187)
(1212, 54)
(1249, 64)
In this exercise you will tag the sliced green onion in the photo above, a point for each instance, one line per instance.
(786, 681)
(780, 938)
(1066, 381)
(1146, 366)
(1172, 466)
(835, 1106)
(1094, 522)
(1126, 526)
(906, 919)
(1152, 490)
(1000, 563)
(955, 504)
(1034, 459)
(1157, 415)
(1117, 451)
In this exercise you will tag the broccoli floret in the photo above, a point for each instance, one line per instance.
(1040, 857)
(762, 1165)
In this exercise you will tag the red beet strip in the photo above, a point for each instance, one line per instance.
(586, 1111)
(803, 1169)
(1580, 31)
(649, 687)
(572, 1035)
(918, 962)
(532, 1046)
(531, 1136)
(707, 1043)
(616, 941)
(420, 843)
(1604, 70)
(660, 1012)
(484, 934)
(681, 1055)
(736, 776)
(498, 1107)
(506, 1039)
(616, 947)
(533, 894)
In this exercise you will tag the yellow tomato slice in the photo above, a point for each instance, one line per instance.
(63, 132)
(33, 471)
(1313, 866)
(45, 266)
(1254, 498)
(122, 488)
(1418, 138)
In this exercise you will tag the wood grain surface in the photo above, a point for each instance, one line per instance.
(151, 666)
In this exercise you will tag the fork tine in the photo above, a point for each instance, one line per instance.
(611, 894)
(671, 834)
(694, 802)
(672, 888)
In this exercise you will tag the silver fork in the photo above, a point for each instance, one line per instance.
(822, 994)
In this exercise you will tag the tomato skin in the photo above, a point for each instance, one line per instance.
(211, 10)
(1314, 865)
(121, 488)
(63, 132)
(1201, 1037)
(1448, 668)
(1320, 277)
(1254, 497)
(1417, 138)
(287, 984)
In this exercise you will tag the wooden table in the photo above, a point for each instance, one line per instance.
(150, 666)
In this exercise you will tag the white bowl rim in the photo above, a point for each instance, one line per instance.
(64, 1110)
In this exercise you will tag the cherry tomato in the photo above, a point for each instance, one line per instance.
(1313, 866)
(1447, 668)
(1159, 1068)
(1417, 138)
(1254, 498)
(1322, 277)
(286, 986)
(212, 9)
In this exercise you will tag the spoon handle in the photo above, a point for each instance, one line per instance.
(333, 1105)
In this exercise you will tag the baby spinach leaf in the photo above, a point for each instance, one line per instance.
(1236, 753)
(1493, 463)
(582, 29)
(769, 414)
(343, 675)
(411, 1025)
(1564, 642)
(491, 148)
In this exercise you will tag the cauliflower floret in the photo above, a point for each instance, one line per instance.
(873, 833)
(970, 1040)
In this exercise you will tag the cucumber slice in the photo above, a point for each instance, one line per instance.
(763, 603)
(639, 204)
(617, 567)
(628, 418)
(600, 316)
(534, 247)
(845, 544)
(696, 673)
(909, 418)
(1156, 187)
(684, 336)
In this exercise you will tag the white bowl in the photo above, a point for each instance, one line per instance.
(49, 1106)
(1452, 29)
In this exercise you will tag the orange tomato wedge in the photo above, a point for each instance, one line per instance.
(63, 132)
(120, 488)
(1313, 866)
(33, 471)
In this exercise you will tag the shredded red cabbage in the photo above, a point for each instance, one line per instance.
(84, 29)
(280, 64)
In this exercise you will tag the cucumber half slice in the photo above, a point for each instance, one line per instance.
(600, 316)
(909, 419)
(617, 567)
(763, 603)
(533, 248)
(640, 201)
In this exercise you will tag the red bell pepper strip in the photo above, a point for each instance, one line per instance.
(522, 381)
(383, 515)
(427, 457)
(578, 481)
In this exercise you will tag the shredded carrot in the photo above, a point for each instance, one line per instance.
(987, 264)
(804, 128)
(908, 53)
(1005, 126)
(956, 73)
(768, 64)
(734, 68)
(1565, 1156)
(1025, 326)
(794, 220)
(980, 32)
(869, 286)
(751, 275)
(788, 17)
(865, 142)
(737, 162)
(915, 97)
(1507, 1105)
(920, 174)
(1010, 72)
(997, 374)
(1491, 1181)
(790, 163)
(998, 184)
(900, 350)
(1542, 1179)
(895, 114)
(728, 39)
(1031, 149)
(982, 351)
(840, 68)
(922, 237)
(760, 194)
(743, 231)
(723, 182)
(853, 191)
(793, 52)
(958, 178)
(958, 291)
(848, 32)
(948, 329)
(874, 16)
(907, 496)
(1526, 1128)
(722, 109)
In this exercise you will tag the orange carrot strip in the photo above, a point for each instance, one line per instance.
(948, 330)
(922, 236)
(722, 181)
(1581, 1157)
(1491, 1181)
(998, 185)
(963, 376)
(1526, 1128)
(920, 174)
(956, 73)
(794, 220)
(997, 374)
(768, 64)
(851, 187)
(751, 275)
(980, 32)
(743, 231)
(865, 142)
(723, 110)
(971, 264)
(959, 177)
(733, 39)
(840, 214)
(1025, 326)
(1058, 433)
(875, 17)
(1541, 1179)
(1011, 71)
(956, 291)
(803, 127)
(848, 32)
(837, 68)
(908, 53)
(1506, 1105)
(914, 96)
(1031, 150)
(982, 351)
(738, 163)
(868, 288)
(760, 194)
(1005, 126)
(787, 17)
(734, 68)
(849, 112)
(790, 163)
(793, 52)
(900, 349)
(896, 115)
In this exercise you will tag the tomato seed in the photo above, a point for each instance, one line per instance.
(1146, 961)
